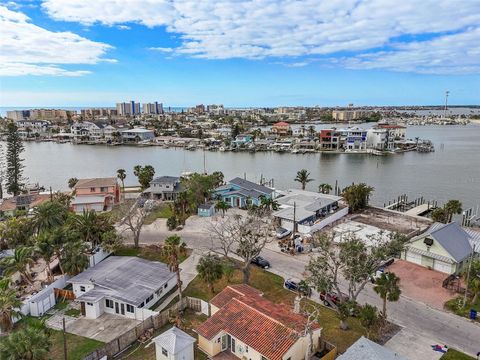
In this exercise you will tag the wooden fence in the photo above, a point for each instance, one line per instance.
(64, 294)
(153, 322)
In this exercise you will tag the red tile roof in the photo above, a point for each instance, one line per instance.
(269, 328)
(281, 124)
(232, 292)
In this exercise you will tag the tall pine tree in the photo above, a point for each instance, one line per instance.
(14, 179)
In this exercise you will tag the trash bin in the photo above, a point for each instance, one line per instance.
(473, 314)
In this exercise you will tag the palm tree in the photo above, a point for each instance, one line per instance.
(46, 249)
(74, 258)
(19, 262)
(72, 182)
(136, 170)
(91, 225)
(8, 305)
(388, 287)
(453, 207)
(122, 175)
(325, 188)
(173, 249)
(222, 206)
(268, 203)
(303, 177)
(31, 342)
(49, 215)
(210, 270)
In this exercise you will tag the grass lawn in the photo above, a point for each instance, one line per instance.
(453, 354)
(77, 346)
(272, 287)
(143, 352)
(163, 212)
(152, 253)
(455, 306)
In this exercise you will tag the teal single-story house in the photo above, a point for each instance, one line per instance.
(243, 139)
(206, 210)
(240, 192)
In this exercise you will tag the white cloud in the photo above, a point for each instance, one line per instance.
(27, 49)
(162, 49)
(257, 29)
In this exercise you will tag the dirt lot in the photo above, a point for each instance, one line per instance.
(421, 284)
(392, 220)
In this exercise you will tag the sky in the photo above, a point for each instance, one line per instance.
(239, 53)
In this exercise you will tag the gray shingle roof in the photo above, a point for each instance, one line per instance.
(174, 340)
(166, 180)
(452, 238)
(126, 278)
(363, 349)
(249, 185)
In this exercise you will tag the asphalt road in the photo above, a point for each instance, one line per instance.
(414, 316)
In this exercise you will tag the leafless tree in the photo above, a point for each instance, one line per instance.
(243, 235)
(133, 219)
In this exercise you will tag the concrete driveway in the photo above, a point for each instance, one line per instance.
(413, 346)
(105, 328)
(421, 284)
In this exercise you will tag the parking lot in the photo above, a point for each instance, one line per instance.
(421, 284)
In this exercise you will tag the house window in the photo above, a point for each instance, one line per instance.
(158, 292)
(103, 189)
(130, 308)
(164, 352)
(109, 303)
(92, 189)
(89, 304)
(150, 298)
(141, 305)
(165, 286)
(82, 288)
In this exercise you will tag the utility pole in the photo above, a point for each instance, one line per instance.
(64, 340)
(446, 104)
(468, 276)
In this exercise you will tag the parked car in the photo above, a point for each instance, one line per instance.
(381, 270)
(282, 233)
(260, 262)
(329, 298)
(298, 286)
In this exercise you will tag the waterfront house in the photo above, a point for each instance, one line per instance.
(364, 348)
(245, 325)
(98, 194)
(122, 285)
(329, 139)
(310, 211)
(137, 135)
(174, 344)
(396, 132)
(353, 139)
(164, 188)
(239, 193)
(87, 130)
(281, 128)
(442, 247)
(242, 140)
(379, 139)
(206, 210)
(24, 202)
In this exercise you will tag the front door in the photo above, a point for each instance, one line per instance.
(224, 342)
(82, 308)
(117, 310)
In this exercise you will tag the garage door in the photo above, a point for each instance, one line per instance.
(414, 258)
(442, 266)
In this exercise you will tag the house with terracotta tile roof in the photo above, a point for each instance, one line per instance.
(281, 128)
(245, 325)
(97, 194)
(24, 202)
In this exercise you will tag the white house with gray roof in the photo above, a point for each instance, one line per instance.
(443, 247)
(174, 344)
(309, 210)
(122, 285)
(164, 188)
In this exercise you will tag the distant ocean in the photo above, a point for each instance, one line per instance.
(4, 109)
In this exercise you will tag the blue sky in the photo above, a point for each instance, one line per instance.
(239, 53)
